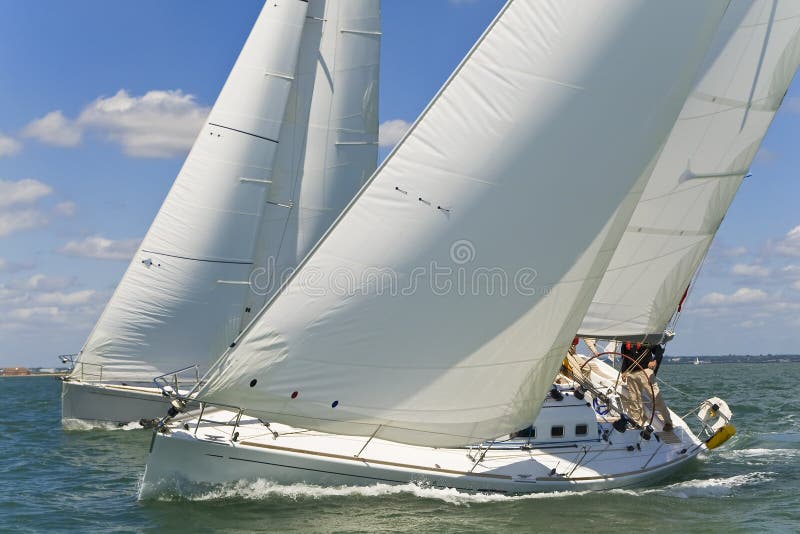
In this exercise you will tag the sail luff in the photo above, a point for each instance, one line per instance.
(175, 306)
(481, 184)
(740, 87)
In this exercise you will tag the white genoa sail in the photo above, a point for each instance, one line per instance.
(185, 296)
(747, 72)
(558, 100)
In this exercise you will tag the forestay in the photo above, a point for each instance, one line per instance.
(387, 328)
(742, 83)
(170, 309)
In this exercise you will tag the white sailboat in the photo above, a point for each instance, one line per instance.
(432, 386)
(291, 138)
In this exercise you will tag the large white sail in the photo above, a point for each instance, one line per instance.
(742, 83)
(559, 104)
(170, 310)
(329, 139)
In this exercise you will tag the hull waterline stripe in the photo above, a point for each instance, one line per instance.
(377, 462)
(243, 132)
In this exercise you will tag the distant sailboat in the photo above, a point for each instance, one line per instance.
(697, 361)
(353, 388)
(291, 138)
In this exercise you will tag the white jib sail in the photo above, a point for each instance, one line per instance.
(170, 309)
(741, 85)
(391, 325)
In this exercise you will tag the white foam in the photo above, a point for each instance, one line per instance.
(768, 454)
(263, 489)
(83, 425)
(713, 487)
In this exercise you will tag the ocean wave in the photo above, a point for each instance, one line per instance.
(713, 487)
(82, 425)
(760, 453)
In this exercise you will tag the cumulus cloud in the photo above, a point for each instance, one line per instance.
(789, 245)
(13, 195)
(54, 129)
(744, 295)
(25, 191)
(14, 221)
(37, 312)
(101, 248)
(390, 132)
(756, 271)
(158, 124)
(9, 146)
(58, 298)
(43, 282)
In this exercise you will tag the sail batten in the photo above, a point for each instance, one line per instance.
(363, 339)
(740, 87)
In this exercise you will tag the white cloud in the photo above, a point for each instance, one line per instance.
(67, 208)
(43, 282)
(756, 271)
(390, 132)
(744, 295)
(54, 129)
(38, 312)
(9, 146)
(102, 248)
(57, 298)
(789, 245)
(158, 124)
(14, 221)
(25, 191)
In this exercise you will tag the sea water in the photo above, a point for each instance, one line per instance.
(79, 480)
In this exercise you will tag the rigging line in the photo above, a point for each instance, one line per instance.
(244, 132)
(663, 383)
(233, 262)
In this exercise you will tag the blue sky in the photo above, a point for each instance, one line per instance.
(80, 181)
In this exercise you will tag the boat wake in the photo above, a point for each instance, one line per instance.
(264, 489)
(712, 487)
(83, 425)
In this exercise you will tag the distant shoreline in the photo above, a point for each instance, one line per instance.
(34, 374)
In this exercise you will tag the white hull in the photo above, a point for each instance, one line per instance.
(94, 404)
(183, 460)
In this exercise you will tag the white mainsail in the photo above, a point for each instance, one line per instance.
(330, 134)
(186, 295)
(560, 102)
(741, 85)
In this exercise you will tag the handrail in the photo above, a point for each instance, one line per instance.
(162, 382)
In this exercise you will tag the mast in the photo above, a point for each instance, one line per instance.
(559, 101)
(176, 304)
(745, 76)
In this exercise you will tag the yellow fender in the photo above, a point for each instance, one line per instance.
(720, 436)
